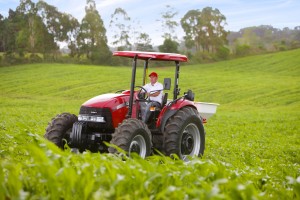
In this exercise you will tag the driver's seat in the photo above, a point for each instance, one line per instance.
(167, 86)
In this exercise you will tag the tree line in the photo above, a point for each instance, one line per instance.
(264, 38)
(39, 28)
(34, 31)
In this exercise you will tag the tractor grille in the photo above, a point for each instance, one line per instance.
(104, 112)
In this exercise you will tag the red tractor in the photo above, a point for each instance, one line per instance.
(175, 127)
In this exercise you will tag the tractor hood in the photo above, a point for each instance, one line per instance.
(111, 100)
(112, 107)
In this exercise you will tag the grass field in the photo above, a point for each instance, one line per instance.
(252, 143)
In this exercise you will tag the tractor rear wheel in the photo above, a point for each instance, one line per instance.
(132, 136)
(184, 134)
(59, 129)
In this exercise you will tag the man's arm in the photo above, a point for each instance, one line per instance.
(155, 94)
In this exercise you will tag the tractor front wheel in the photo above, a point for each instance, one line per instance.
(59, 129)
(132, 136)
(184, 134)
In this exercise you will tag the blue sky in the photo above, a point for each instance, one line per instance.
(239, 13)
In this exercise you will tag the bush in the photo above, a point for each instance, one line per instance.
(169, 46)
(222, 53)
(34, 58)
(242, 50)
(11, 59)
(295, 44)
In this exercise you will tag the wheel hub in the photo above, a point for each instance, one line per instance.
(187, 144)
(190, 141)
(138, 145)
(135, 147)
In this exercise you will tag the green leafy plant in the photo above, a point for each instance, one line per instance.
(252, 143)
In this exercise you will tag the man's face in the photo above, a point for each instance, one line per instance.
(153, 79)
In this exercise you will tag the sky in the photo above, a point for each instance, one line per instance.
(146, 13)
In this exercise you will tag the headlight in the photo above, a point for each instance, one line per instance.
(88, 118)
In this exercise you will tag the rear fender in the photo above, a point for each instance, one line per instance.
(171, 109)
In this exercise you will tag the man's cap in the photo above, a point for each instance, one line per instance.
(153, 74)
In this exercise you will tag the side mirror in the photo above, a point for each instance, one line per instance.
(189, 95)
(167, 83)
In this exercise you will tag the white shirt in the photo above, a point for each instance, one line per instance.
(153, 88)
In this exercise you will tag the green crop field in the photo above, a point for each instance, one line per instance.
(252, 142)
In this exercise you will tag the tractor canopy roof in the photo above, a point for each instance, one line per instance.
(152, 55)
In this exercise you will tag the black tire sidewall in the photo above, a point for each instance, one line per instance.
(125, 133)
(58, 128)
(144, 134)
(174, 131)
(193, 119)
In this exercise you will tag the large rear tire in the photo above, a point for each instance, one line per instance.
(184, 134)
(59, 129)
(132, 136)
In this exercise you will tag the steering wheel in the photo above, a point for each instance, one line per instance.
(142, 95)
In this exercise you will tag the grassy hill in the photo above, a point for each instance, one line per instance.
(252, 143)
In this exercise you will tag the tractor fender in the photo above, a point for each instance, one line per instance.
(172, 109)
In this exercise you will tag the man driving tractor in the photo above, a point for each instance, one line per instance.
(119, 118)
(154, 92)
